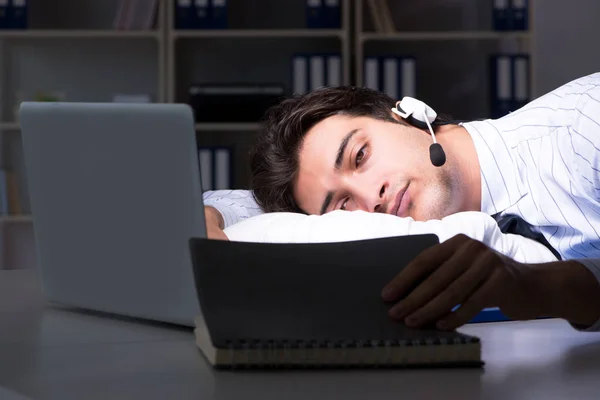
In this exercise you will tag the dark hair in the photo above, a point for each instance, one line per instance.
(274, 156)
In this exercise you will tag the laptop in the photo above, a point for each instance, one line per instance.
(115, 196)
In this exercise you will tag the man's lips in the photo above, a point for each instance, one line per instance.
(401, 203)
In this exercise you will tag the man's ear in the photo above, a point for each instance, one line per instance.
(398, 118)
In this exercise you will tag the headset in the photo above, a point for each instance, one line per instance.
(422, 116)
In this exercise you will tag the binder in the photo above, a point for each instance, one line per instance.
(334, 70)
(521, 81)
(4, 6)
(391, 81)
(333, 15)
(490, 314)
(216, 167)
(316, 74)
(501, 91)
(218, 14)
(408, 77)
(393, 75)
(223, 168)
(315, 14)
(501, 15)
(313, 71)
(371, 73)
(205, 159)
(184, 14)
(17, 14)
(201, 14)
(299, 74)
(520, 15)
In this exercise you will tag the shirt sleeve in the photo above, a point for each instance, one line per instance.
(584, 134)
(585, 139)
(234, 205)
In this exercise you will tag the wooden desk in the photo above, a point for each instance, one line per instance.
(53, 353)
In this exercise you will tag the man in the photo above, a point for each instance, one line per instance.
(343, 148)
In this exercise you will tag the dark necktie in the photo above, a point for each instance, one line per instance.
(514, 224)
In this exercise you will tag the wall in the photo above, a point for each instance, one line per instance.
(566, 41)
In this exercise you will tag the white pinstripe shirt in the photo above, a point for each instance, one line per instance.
(541, 162)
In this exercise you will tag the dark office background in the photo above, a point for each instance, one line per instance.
(168, 51)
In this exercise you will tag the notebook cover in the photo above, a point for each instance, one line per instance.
(305, 292)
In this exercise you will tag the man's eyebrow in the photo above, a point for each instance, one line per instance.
(342, 149)
(338, 165)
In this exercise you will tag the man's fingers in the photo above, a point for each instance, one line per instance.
(457, 292)
(422, 265)
(437, 282)
(470, 307)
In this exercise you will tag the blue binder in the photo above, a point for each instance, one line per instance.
(315, 14)
(520, 15)
(4, 14)
(492, 314)
(202, 13)
(333, 15)
(218, 15)
(184, 14)
(17, 14)
(501, 15)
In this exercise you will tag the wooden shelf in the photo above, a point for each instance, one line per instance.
(258, 33)
(16, 219)
(222, 126)
(77, 34)
(10, 127)
(444, 35)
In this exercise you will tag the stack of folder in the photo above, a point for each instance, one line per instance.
(201, 14)
(393, 75)
(14, 14)
(509, 83)
(312, 71)
(510, 15)
(323, 14)
(216, 166)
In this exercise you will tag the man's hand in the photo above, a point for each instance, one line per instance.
(463, 271)
(214, 224)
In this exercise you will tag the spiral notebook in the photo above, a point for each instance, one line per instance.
(306, 305)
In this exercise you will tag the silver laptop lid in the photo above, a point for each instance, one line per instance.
(115, 196)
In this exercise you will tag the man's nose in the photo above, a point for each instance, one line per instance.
(372, 198)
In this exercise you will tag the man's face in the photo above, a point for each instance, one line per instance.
(359, 163)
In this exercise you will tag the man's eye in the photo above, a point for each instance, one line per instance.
(343, 206)
(360, 155)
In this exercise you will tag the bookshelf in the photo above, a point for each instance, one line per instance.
(451, 44)
(70, 49)
(265, 33)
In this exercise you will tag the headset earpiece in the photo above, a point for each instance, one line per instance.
(422, 116)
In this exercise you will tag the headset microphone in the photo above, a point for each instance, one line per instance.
(422, 116)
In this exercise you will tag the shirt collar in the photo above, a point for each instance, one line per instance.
(500, 188)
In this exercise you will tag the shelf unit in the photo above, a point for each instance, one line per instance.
(470, 43)
(96, 51)
(222, 55)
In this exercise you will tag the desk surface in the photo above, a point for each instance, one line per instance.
(53, 353)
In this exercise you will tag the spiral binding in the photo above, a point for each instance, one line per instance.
(317, 354)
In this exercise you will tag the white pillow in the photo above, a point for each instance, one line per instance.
(340, 226)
